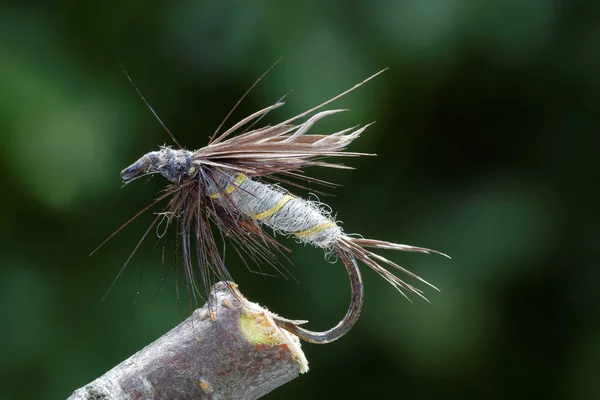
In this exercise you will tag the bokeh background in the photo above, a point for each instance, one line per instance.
(487, 141)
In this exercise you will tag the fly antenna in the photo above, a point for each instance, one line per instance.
(214, 135)
(149, 106)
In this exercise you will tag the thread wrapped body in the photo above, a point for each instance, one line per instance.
(274, 207)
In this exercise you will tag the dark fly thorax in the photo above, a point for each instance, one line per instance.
(174, 165)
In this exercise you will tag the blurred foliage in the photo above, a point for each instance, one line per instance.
(487, 142)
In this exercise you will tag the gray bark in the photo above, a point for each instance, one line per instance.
(230, 350)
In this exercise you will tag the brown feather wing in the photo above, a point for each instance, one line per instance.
(287, 146)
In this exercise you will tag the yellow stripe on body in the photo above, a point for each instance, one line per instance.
(315, 229)
(274, 209)
(230, 188)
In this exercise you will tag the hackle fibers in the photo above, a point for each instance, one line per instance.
(219, 186)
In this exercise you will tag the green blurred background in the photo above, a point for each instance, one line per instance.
(486, 135)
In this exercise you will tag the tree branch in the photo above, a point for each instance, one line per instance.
(231, 349)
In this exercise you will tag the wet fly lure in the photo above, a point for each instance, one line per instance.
(221, 185)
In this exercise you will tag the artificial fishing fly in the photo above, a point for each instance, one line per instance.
(219, 185)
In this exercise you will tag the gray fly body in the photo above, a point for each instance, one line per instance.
(218, 185)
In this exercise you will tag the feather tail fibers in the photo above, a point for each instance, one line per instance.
(351, 249)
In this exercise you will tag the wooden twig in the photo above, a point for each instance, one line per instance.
(230, 350)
